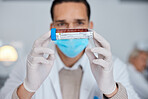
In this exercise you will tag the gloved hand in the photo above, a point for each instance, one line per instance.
(101, 64)
(38, 67)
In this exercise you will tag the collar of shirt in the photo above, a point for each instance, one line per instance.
(81, 62)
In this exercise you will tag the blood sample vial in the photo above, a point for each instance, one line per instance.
(58, 34)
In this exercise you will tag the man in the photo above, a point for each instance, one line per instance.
(70, 76)
(137, 65)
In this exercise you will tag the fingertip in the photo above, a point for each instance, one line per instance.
(95, 61)
(98, 37)
(92, 50)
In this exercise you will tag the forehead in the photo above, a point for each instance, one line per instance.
(70, 11)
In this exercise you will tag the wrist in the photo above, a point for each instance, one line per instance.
(23, 93)
(113, 93)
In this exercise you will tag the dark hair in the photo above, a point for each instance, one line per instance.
(79, 1)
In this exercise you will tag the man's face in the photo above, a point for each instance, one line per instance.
(140, 61)
(70, 15)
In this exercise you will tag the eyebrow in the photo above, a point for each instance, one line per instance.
(60, 20)
(80, 19)
(74, 19)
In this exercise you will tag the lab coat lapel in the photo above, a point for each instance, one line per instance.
(55, 82)
(54, 75)
(87, 83)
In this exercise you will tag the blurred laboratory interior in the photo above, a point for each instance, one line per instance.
(123, 23)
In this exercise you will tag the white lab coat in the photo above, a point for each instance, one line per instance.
(138, 81)
(50, 89)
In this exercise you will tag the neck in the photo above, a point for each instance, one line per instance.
(69, 62)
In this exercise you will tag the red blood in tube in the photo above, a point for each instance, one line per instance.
(70, 30)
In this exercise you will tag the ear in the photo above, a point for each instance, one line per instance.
(51, 26)
(91, 25)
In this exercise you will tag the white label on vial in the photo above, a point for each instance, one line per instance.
(74, 35)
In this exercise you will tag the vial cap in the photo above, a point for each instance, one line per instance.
(53, 34)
